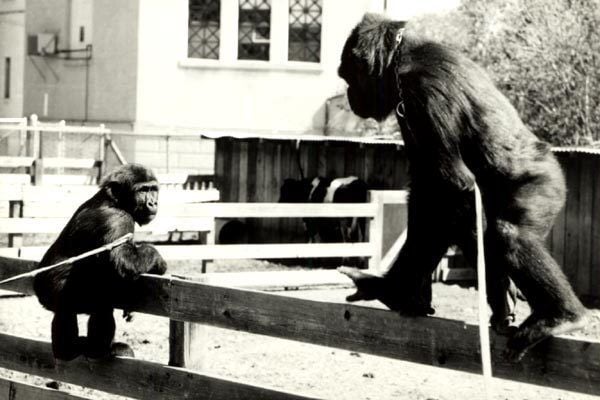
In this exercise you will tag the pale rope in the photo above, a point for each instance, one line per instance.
(106, 247)
(484, 333)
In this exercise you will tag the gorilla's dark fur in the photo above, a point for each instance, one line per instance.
(458, 128)
(95, 285)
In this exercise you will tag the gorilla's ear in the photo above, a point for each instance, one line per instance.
(114, 190)
(377, 41)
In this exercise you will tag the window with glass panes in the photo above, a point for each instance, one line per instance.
(204, 25)
(305, 21)
(254, 33)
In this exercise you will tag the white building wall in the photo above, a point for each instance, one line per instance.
(114, 61)
(12, 45)
(102, 89)
(229, 95)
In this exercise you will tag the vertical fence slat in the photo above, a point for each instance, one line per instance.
(242, 187)
(558, 233)
(586, 187)
(572, 219)
(595, 245)
(323, 150)
(376, 231)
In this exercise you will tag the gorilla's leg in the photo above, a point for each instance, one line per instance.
(555, 306)
(101, 331)
(66, 343)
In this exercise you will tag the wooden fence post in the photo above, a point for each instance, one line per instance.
(102, 154)
(36, 144)
(376, 231)
(15, 211)
(186, 343)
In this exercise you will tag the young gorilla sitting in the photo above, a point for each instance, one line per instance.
(96, 284)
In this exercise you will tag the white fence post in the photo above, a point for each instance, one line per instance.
(376, 230)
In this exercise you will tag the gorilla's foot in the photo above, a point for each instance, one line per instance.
(535, 330)
(501, 324)
(64, 354)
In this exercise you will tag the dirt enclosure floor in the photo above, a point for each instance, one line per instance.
(308, 369)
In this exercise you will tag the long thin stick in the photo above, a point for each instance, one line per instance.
(484, 333)
(109, 246)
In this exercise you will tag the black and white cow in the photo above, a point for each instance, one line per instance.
(325, 190)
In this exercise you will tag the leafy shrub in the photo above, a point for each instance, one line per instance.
(543, 54)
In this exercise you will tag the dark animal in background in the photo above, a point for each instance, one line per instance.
(324, 190)
(459, 129)
(95, 285)
(233, 232)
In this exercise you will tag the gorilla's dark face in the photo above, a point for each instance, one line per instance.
(365, 66)
(135, 190)
(146, 202)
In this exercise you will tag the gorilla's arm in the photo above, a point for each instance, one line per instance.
(131, 260)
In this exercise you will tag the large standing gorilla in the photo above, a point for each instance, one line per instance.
(95, 285)
(459, 129)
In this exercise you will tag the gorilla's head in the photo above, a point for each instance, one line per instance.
(134, 189)
(367, 66)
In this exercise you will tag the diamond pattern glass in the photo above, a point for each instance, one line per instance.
(204, 26)
(254, 31)
(305, 30)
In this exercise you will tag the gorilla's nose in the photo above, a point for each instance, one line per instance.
(152, 206)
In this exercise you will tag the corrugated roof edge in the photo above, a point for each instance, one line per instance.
(390, 140)
(576, 149)
(308, 138)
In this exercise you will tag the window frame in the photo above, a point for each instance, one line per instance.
(279, 42)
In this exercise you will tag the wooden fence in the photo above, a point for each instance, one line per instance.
(35, 210)
(253, 169)
(575, 237)
(558, 362)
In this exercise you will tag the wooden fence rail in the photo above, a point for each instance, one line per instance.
(563, 363)
(128, 377)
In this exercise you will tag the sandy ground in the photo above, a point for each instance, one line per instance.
(313, 370)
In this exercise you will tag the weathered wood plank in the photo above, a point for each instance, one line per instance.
(235, 251)
(587, 181)
(15, 179)
(595, 262)
(68, 179)
(186, 341)
(251, 177)
(234, 172)
(279, 280)
(66, 162)
(79, 193)
(571, 262)
(137, 378)
(375, 231)
(13, 390)
(15, 162)
(559, 362)
(564, 363)
(558, 237)
(277, 210)
(242, 196)
(54, 225)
